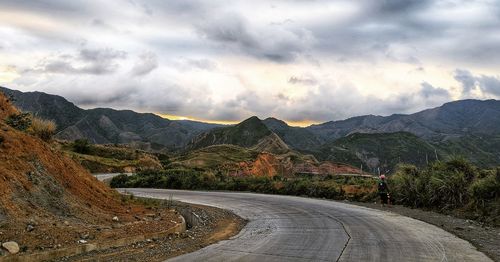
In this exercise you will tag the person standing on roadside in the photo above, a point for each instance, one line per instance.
(383, 191)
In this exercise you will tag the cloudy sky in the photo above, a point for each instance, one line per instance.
(302, 61)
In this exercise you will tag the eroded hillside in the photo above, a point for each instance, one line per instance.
(49, 201)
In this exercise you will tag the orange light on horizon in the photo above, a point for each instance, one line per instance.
(304, 123)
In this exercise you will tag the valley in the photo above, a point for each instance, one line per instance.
(466, 128)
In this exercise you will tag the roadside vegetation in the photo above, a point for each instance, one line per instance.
(331, 187)
(455, 186)
(41, 128)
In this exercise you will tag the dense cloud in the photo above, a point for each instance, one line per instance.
(147, 62)
(486, 85)
(86, 61)
(227, 60)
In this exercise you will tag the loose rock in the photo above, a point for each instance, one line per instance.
(30, 228)
(11, 246)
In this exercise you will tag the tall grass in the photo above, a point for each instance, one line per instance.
(456, 185)
(44, 129)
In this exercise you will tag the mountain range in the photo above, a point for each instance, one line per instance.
(469, 128)
(108, 126)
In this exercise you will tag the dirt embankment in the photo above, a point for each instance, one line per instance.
(48, 201)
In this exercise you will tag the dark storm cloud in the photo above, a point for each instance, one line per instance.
(486, 84)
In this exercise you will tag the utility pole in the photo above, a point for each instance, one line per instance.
(435, 152)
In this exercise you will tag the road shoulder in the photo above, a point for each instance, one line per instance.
(485, 238)
(216, 225)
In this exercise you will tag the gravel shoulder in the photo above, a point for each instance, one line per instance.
(217, 225)
(485, 238)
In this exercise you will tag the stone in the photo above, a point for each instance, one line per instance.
(81, 241)
(11, 246)
(30, 228)
(116, 219)
(66, 223)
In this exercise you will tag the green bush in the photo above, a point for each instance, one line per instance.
(119, 181)
(21, 121)
(81, 146)
(486, 189)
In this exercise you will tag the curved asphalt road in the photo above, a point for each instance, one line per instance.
(286, 228)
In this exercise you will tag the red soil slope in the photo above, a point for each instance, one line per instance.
(41, 186)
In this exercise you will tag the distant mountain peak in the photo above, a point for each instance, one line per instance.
(247, 133)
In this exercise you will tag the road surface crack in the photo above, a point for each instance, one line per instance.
(347, 233)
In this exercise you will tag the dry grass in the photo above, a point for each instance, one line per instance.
(44, 129)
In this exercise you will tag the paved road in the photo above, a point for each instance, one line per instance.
(286, 228)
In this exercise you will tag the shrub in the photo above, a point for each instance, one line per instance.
(81, 146)
(21, 121)
(486, 189)
(119, 181)
(44, 129)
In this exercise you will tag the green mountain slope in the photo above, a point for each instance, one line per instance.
(483, 150)
(458, 118)
(375, 151)
(296, 137)
(246, 134)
